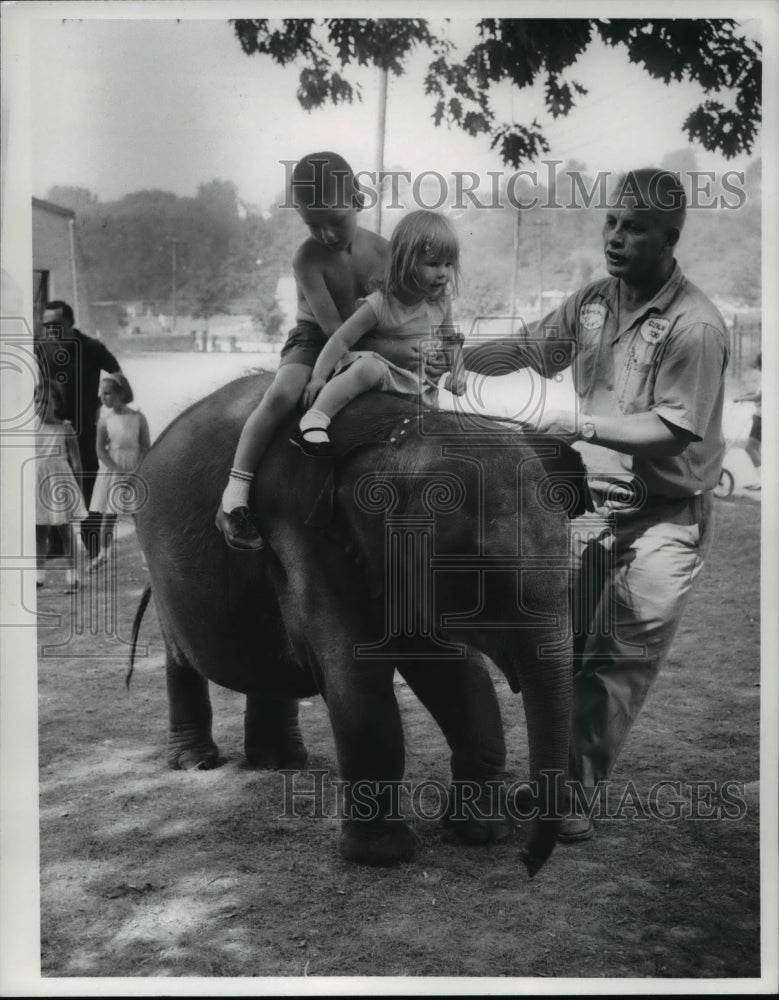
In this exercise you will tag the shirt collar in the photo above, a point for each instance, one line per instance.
(661, 301)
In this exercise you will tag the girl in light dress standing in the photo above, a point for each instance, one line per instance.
(122, 441)
(59, 501)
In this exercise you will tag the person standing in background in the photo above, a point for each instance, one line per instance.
(59, 504)
(74, 361)
(122, 441)
(754, 445)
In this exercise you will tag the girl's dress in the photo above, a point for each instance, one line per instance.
(394, 319)
(114, 492)
(58, 497)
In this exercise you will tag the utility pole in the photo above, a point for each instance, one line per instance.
(73, 273)
(540, 274)
(174, 246)
(515, 268)
(383, 80)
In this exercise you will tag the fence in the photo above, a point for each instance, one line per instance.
(746, 339)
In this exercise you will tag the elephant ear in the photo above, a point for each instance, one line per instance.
(321, 513)
(565, 485)
(322, 516)
(367, 422)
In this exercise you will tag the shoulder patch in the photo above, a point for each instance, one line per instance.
(655, 329)
(592, 316)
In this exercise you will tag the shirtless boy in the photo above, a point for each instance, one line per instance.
(333, 268)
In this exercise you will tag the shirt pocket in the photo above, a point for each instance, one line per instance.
(637, 386)
(585, 362)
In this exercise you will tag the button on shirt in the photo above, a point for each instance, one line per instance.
(668, 357)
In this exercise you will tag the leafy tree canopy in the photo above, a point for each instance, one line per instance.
(522, 51)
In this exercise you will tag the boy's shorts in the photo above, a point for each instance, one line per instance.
(303, 346)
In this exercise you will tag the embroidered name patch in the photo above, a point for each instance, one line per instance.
(655, 329)
(592, 316)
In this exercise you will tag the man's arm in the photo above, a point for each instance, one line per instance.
(547, 347)
(501, 357)
(633, 434)
(687, 384)
(640, 434)
(106, 360)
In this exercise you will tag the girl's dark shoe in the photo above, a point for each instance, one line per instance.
(317, 449)
(239, 529)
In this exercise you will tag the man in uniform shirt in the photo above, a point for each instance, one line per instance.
(649, 352)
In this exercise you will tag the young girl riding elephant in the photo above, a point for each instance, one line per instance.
(414, 302)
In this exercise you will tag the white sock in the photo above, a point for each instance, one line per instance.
(237, 492)
(316, 423)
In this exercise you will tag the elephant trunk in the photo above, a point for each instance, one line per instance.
(547, 700)
(545, 825)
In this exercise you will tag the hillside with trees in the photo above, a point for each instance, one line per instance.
(211, 254)
(227, 257)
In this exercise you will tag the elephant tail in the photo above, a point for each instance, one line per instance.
(143, 605)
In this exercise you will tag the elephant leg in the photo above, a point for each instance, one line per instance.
(369, 741)
(272, 737)
(189, 712)
(324, 603)
(461, 698)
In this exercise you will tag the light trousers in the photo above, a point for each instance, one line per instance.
(633, 575)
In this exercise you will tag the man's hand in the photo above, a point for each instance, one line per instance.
(456, 383)
(312, 390)
(560, 423)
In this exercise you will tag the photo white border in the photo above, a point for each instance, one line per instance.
(19, 889)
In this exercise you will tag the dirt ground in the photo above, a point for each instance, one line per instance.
(150, 872)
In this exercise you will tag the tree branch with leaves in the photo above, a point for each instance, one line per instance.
(713, 53)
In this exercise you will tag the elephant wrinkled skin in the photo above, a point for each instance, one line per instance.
(439, 550)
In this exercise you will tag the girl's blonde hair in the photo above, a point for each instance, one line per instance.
(420, 233)
(121, 383)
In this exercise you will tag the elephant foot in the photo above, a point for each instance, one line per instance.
(476, 812)
(293, 756)
(190, 750)
(380, 843)
(271, 734)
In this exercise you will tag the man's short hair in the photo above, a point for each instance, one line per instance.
(67, 312)
(655, 189)
(325, 180)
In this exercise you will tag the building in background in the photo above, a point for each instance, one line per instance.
(57, 263)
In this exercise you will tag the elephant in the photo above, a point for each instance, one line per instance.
(429, 542)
